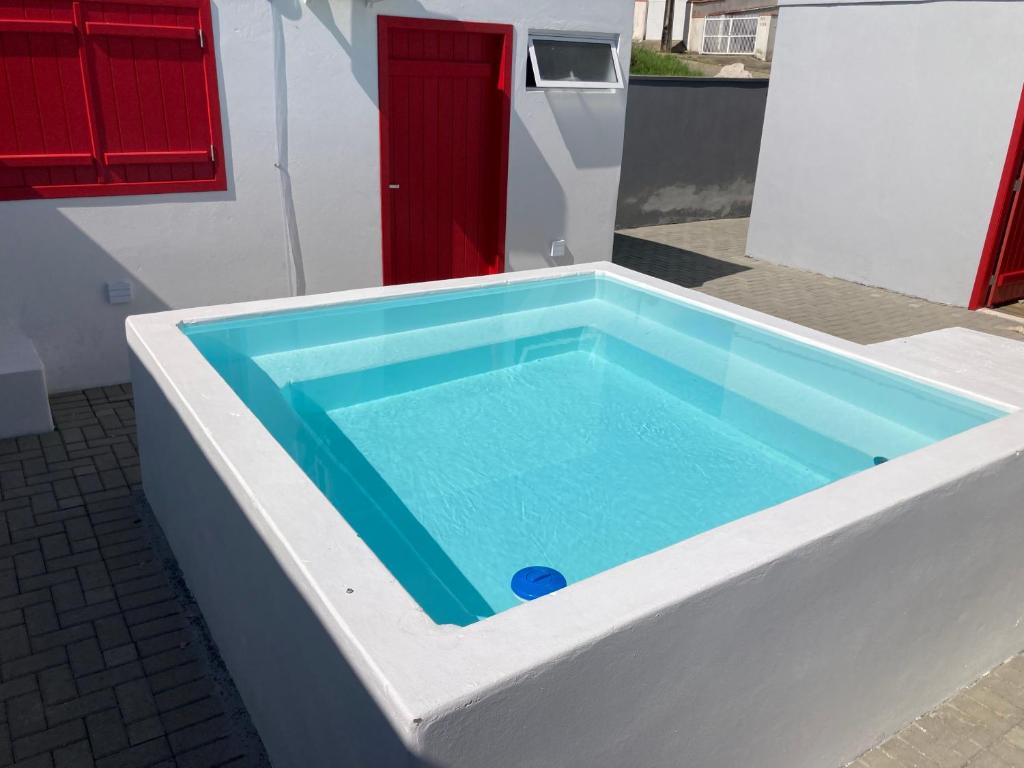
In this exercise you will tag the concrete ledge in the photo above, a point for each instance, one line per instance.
(24, 406)
(989, 365)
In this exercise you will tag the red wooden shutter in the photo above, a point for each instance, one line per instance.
(44, 125)
(105, 98)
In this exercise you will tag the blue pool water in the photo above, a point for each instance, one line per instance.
(575, 423)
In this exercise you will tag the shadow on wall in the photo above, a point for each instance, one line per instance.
(529, 246)
(579, 115)
(666, 262)
(78, 334)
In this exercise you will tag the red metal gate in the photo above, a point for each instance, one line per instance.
(1001, 274)
(445, 91)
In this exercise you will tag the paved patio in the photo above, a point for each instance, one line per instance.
(104, 656)
(709, 256)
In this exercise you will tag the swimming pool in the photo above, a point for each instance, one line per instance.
(575, 423)
(778, 545)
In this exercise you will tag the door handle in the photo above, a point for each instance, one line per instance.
(393, 186)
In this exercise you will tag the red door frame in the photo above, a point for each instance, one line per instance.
(384, 25)
(982, 294)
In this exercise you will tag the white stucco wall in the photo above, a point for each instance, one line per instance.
(885, 135)
(656, 19)
(318, 63)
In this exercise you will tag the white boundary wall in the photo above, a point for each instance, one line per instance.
(881, 152)
(795, 637)
(312, 69)
(656, 19)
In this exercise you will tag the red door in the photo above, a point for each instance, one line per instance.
(1009, 275)
(444, 120)
(1001, 275)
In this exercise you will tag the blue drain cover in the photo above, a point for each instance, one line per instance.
(536, 581)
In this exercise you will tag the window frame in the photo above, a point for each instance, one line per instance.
(540, 84)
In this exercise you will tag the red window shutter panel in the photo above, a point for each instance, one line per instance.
(44, 130)
(111, 98)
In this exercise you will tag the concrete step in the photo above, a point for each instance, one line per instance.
(24, 407)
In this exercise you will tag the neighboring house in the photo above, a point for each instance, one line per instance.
(736, 27)
(184, 153)
(889, 160)
(745, 27)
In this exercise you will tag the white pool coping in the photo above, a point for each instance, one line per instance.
(418, 671)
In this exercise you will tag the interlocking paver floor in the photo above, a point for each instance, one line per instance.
(709, 257)
(104, 658)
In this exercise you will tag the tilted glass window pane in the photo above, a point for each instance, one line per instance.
(574, 61)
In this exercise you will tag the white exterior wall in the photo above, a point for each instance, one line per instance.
(882, 150)
(656, 19)
(640, 19)
(194, 249)
(695, 40)
(762, 40)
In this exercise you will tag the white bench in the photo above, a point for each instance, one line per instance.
(24, 407)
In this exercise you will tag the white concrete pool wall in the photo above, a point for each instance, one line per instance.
(797, 636)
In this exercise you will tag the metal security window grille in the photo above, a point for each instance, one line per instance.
(729, 34)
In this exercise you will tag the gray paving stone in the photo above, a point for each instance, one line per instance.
(136, 700)
(76, 559)
(48, 579)
(55, 545)
(41, 618)
(44, 760)
(106, 732)
(48, 740)
(112, 631)
(34, 663)
(17, 687)
(146, 753)
(11, 618)
(85, 657)
(68, 596)
(213, 754)
(77, 755)
(83, 706)
(29, 564)
(14, 643)
(110, 677)
(25, 714)
(120, 655)
(6, 754)
(144, 730)
(61, 637)
(57, 685)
